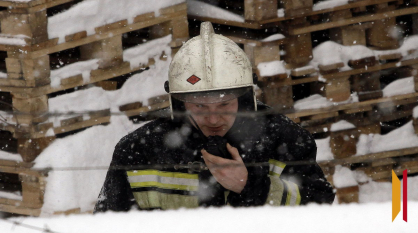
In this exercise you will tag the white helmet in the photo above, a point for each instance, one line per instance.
(209, 68)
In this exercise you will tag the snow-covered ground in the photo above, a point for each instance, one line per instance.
(312, 218)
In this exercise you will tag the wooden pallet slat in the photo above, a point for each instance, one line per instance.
(74, 81)
(299, 11)
(20, 210)
(76, 36)
(354, 20)
(256, 10)
(30, 88)
(349, 106)
(348, 194)
(377, 67)
(145, 109)
(114, 29)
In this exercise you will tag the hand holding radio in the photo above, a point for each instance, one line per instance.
(230, 173)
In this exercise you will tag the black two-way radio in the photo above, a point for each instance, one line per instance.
(215, 145)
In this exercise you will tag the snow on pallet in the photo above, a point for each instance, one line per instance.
(78, 78)
(348, 22)
(105, 48)
(397, 98)
(22, 188)
(23, 61)
(376, 165)
(79, 161)
(262, 14)
(259, 14)
(341, 20)
(65, 27)
(89, 71)
(347, 70)
(365, 150)
(89, 150)
(92, 106)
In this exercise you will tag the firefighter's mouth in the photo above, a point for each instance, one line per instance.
(215, 129)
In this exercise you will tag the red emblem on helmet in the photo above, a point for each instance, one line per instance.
(193, 79)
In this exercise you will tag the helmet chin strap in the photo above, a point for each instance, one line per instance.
(171, 107)
(196, 125)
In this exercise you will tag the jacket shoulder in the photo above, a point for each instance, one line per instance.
(140, 141)
(150, 129)
(292, 140)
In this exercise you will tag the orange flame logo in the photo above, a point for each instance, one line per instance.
(396, 196)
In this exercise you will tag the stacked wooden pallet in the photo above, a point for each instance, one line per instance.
(355, 23)
(39, 65)
(321, 62)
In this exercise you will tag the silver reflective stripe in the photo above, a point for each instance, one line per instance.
(293, 196)
(275, 194)
(276, 167)
(164, 180)
(155, 199)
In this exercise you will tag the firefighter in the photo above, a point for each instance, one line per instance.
(220, 146)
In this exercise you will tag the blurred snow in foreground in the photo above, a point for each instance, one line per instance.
(311, 218)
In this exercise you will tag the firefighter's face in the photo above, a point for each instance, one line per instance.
(214, 119)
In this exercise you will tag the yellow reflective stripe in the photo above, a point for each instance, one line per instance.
(274, 174)
(298, 198)
(163, 173)
(155, 199)
(276, 167)
(293, 195)
(289, 192)
(277, 163)
(164, 186)
(163, 179)
(276, 191)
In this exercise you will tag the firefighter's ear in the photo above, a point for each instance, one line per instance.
(166, 87)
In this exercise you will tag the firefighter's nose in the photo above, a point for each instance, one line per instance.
(213, 118)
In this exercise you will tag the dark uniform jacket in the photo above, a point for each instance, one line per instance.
(265, 142)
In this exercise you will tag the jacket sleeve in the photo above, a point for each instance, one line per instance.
(256, 190)
(293, 177)
(298, 185)
(116, 193)
(296, 172)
